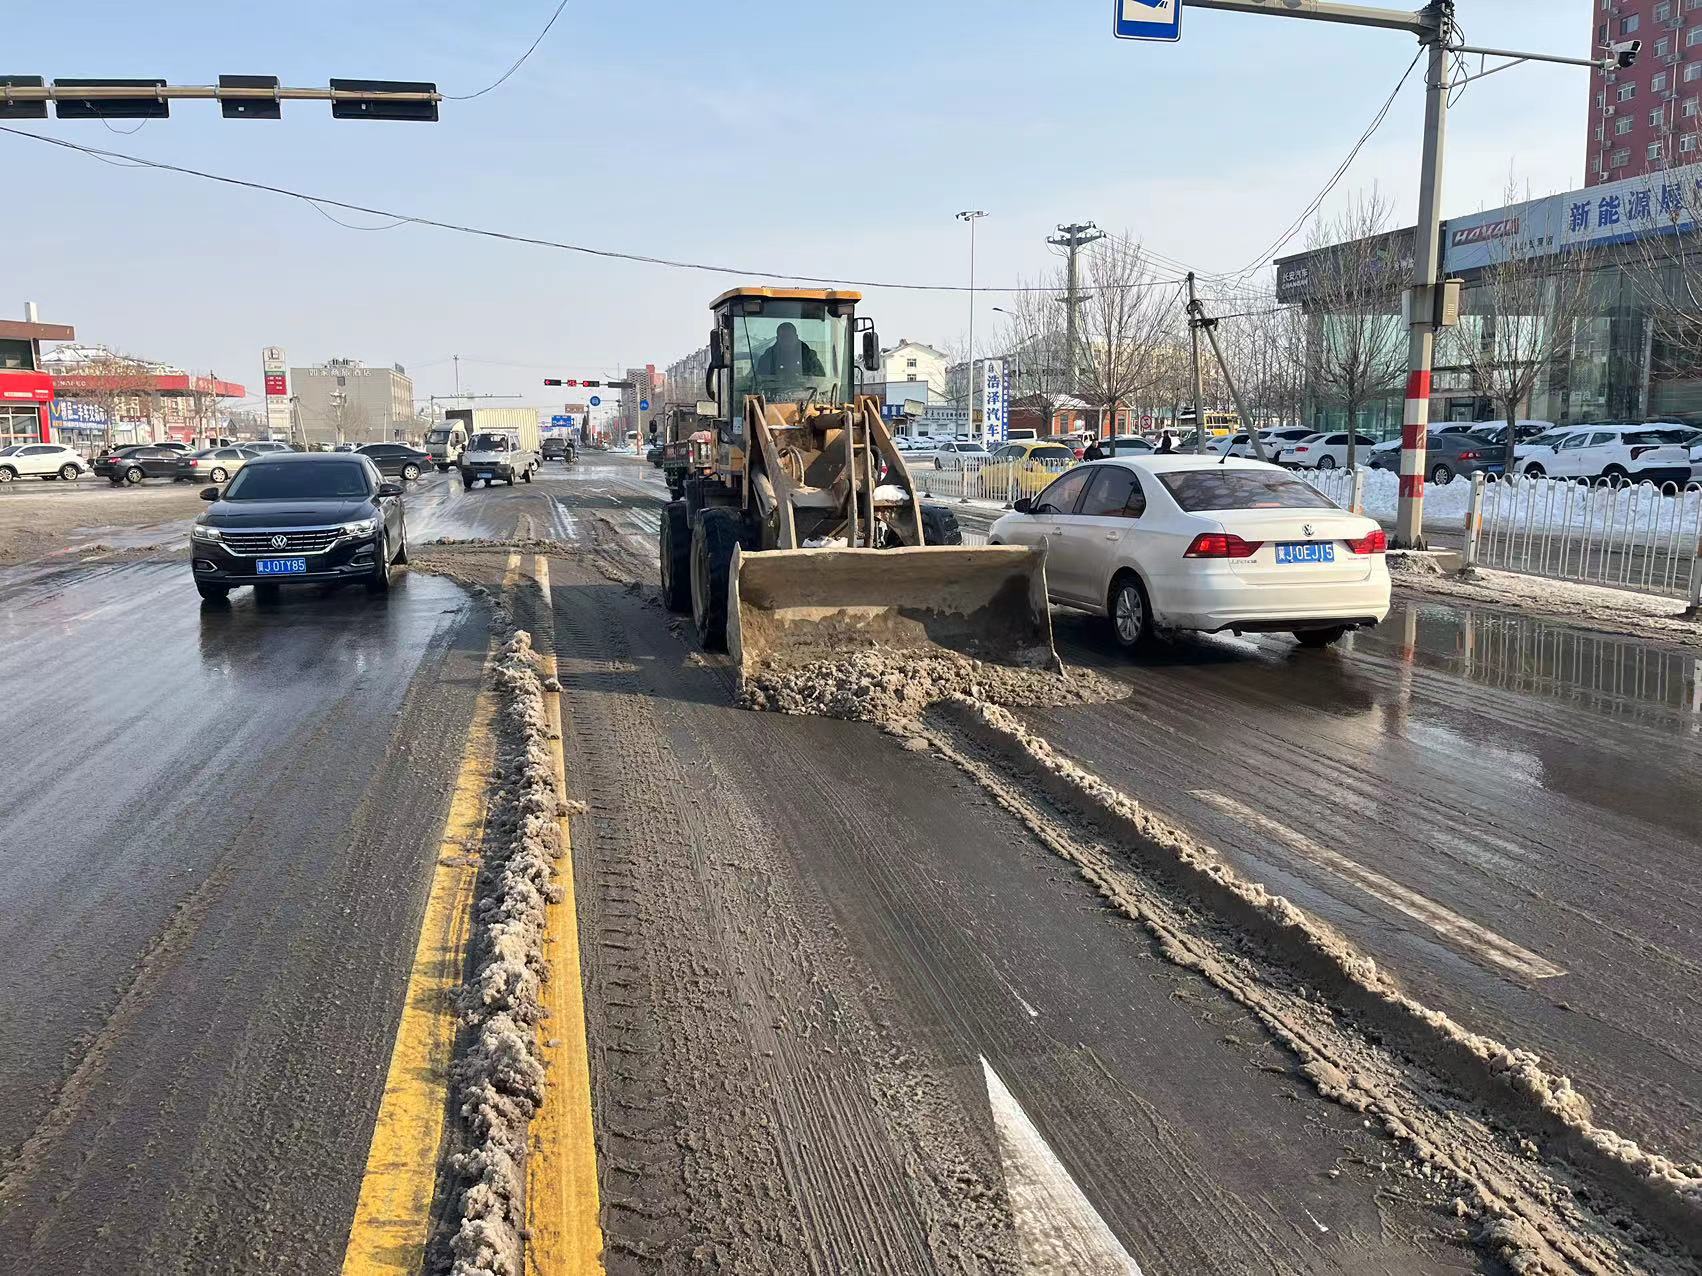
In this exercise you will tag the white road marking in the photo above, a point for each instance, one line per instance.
(1461, 932)
(1057, 1229)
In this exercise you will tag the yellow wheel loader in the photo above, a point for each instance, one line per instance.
(804, 538)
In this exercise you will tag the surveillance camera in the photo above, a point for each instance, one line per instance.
(1621, 54)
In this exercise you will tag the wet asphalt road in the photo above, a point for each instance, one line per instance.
(213, 873)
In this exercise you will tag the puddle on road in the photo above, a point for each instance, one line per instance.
(1621, 677)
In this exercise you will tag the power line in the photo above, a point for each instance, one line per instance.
(1335, 178)
(122, 160)
(467, 97)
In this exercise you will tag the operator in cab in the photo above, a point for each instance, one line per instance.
(789, 358)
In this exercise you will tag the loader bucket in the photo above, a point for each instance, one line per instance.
(794, 607)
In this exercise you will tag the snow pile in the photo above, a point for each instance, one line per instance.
(500, 1079)
(890, 686)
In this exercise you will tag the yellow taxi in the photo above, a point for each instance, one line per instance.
(1024, 468)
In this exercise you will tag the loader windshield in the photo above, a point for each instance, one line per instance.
(790, 350)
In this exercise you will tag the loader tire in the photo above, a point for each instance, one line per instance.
(714, 537)
(939, 526)
(676, 557)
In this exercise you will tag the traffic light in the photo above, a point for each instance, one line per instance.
(22, 110)
(382, 108)
(250, 108)
(554, 381)
(144, 106)
(559, 381)
(592, 384)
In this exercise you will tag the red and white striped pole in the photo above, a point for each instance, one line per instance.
(1427, 261)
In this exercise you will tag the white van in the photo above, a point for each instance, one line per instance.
(444, 443)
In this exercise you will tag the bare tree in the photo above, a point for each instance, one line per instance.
(1519, 317)
(203, 404)
(1035, 360)
(1666, 271)
(1126, 318)
(1357, 352)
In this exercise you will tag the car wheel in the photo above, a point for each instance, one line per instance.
(379, 581)
(1319, 637)
(1615, 476)
(212, 593)
(219, 474)
(133, 475)
(443, 469)
(402, 546)
(1441, 475)
(7, 474)
(1326, 462)
(527, 476)
(466, 485)
(410, 471)
(1533, 471)
(1131, 613)
(69, 473)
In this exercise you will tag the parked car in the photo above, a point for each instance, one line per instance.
(299, 517)
(950, 454)
(1447, 455)
(267, 445)
(1327, 451)
(1188, 542)
(41, 460)
(136, 462)
(346, 447)
(1074, 442)
(1127, 445)
(1023, 469)
(214, 465)
(396, 460)
(653, 454)
(1278, 440)
(1617, 453)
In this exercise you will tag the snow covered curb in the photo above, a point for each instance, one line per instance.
(1509, 1082)
(1614, 611)
(499, 1079)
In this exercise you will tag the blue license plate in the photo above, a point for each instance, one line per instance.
(281, 566)
(1306, 552)
(484, 474)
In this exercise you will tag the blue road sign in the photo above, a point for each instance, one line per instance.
(561, 421)
(644, 405)
(1147, 20)
(596, 401)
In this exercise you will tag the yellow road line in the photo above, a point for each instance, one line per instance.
(564, 1237)
(392, 1216)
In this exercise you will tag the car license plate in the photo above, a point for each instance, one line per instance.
(1306, 552)
(484, 474)
(281, 566)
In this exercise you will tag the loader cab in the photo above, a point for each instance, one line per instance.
(794, 347)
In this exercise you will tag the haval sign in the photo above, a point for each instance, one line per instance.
(1501, 228)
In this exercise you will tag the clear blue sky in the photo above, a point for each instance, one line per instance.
(822, 139)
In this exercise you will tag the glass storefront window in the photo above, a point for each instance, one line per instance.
(19, 425)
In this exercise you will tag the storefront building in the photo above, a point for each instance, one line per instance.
(26, 392)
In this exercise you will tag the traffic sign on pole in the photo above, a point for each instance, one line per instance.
(1147, 20)
(644, 405)
(596, 401)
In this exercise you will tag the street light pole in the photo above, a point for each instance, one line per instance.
(971, 216)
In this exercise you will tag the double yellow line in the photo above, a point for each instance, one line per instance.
(393, 1214)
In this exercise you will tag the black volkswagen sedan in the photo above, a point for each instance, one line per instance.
(299, 517)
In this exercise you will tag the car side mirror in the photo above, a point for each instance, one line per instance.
(210, 493)
(717, 351)
(390, 489)
(1024, 506)
(871, 350)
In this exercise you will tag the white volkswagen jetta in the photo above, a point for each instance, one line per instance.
(1192, 542)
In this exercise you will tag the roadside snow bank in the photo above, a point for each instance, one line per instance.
(500, 1078)
(1510, 1083)
(888, 686)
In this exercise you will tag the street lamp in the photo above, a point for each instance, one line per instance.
(971, 216)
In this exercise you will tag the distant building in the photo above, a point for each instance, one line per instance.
(913, 361)
(1646, 116)
(102, 397)
(26, 391)
(344, 401)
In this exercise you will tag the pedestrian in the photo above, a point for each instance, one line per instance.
(1093, 452)
(1167, 444)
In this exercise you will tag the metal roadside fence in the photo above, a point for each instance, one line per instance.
(1631, 536)
(977, 478)
(1343, 486)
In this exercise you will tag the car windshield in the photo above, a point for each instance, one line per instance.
(10, 451)
(1225, 489)
(437, 436)
(1659, 436)
(272, 481)
(971, 447)
(1051, 454)
(489, 443)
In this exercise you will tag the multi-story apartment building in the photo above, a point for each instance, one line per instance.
(1647, 116)
(344, 401)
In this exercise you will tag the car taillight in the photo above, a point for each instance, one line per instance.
(1221, 545)
(1638, 451)
(1303, 447)
(1080, 452)
(1376, 542)
(1470, 456)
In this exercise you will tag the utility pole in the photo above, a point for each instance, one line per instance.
(456, 360)
(1072, 239)
(971, 216)
(1199, 372)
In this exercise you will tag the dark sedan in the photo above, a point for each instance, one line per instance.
(1447, 456)
(398, 460)
(134, 463)
(299, 517)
